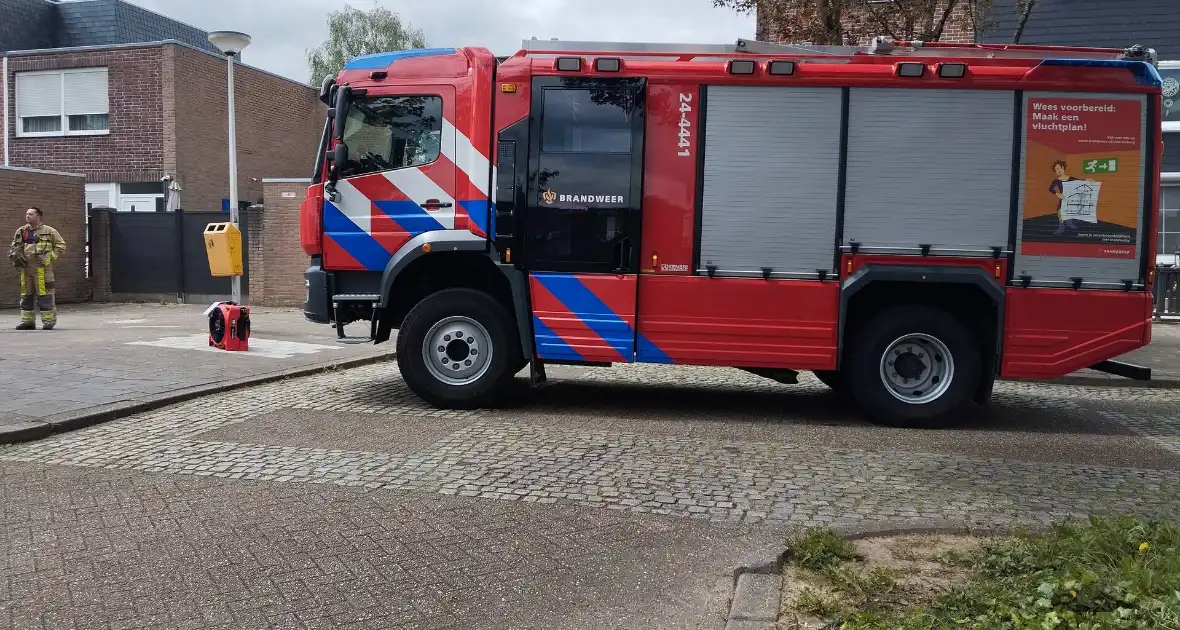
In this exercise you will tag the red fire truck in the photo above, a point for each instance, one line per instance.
(906, 220)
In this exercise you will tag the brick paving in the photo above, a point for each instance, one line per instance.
(614, 498)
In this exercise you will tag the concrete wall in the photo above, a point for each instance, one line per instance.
(58, 195)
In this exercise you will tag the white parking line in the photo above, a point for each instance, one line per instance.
(266, 348)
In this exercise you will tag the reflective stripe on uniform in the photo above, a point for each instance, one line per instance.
(24, 288)
(41, 281)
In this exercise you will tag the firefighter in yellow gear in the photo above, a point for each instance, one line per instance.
(34, 248)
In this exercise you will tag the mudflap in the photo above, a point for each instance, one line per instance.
(537, 377)
(987, 382)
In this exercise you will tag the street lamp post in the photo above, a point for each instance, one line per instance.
(231, 44)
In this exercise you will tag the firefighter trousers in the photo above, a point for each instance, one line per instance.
(36, 295)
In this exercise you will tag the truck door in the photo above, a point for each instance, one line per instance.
(399, 180)
(581, 222)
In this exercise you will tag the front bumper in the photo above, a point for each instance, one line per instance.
(317, 303)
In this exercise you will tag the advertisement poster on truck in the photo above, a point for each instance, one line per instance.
(1083, 177)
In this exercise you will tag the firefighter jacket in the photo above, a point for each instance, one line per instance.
(36, 248)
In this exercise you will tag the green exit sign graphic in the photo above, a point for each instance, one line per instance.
(1105, 165)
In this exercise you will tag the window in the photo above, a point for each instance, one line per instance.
(392, 132)
(1169, 232)
(62, 102)
(595, 120)
(1170, 73)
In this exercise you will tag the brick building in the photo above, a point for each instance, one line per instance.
(1152, 23)
(126, 97)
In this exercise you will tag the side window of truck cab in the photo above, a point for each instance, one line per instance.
(392, 132)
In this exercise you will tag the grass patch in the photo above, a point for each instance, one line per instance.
(819, 548)
(1104, 574)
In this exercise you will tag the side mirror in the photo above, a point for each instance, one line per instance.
(339, 157)
(341, 112)
(326, 89)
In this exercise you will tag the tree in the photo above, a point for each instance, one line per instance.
(353, 32)
(1024, 8)
(851, 22)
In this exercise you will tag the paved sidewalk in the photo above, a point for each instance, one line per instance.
(109, 360)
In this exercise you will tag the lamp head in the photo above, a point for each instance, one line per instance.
(229, 42)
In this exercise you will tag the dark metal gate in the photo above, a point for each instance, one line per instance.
(161, 255)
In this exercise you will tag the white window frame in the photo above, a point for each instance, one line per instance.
(1173, 125)
(65, 118)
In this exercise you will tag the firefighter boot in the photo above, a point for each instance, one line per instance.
(27, 317)
(46, 302)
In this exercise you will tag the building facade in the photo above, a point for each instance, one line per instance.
(134, 100)
(1152, 23)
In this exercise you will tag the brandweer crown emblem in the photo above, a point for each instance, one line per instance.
(549, 196)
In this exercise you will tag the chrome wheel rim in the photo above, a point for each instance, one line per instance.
(457, 351)
(917, 368)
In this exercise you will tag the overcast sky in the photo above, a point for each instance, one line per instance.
(283, 29)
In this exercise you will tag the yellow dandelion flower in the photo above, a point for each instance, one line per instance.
(1144, 547)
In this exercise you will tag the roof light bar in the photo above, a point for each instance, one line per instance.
(781, 68)
(743, 66)
(952, 70)
(608, 64)
(569, 64)
(911, 69)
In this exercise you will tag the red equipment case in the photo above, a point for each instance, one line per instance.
(229, 327)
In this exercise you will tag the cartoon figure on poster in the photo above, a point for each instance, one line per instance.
(1083, 176)
(1077, 199)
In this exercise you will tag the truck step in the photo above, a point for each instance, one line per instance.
(356, 297)
(353, 341)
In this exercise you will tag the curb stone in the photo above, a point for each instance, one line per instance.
(757, 593)
(60, 423)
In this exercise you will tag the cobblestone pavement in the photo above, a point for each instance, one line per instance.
(613, 498)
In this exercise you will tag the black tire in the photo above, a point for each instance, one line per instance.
(872, 340)
(488, 313)
(831, 378)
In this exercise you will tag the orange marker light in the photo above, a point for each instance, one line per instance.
(508, 255)
(426, 248)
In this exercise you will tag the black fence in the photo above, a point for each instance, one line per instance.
(1167, 281)
(162, 254)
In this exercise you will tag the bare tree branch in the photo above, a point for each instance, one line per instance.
(947, 12)
(1025, 8)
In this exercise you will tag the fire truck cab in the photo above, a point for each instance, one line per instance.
(908, 221)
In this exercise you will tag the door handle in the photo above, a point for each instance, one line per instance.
(435, 204)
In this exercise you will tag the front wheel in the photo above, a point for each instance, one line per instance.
(914, 366)
(457, 349)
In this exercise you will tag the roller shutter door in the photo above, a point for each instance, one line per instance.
(771, 172)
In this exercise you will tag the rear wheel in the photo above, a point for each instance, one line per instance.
(457, 349)
(913, 366)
